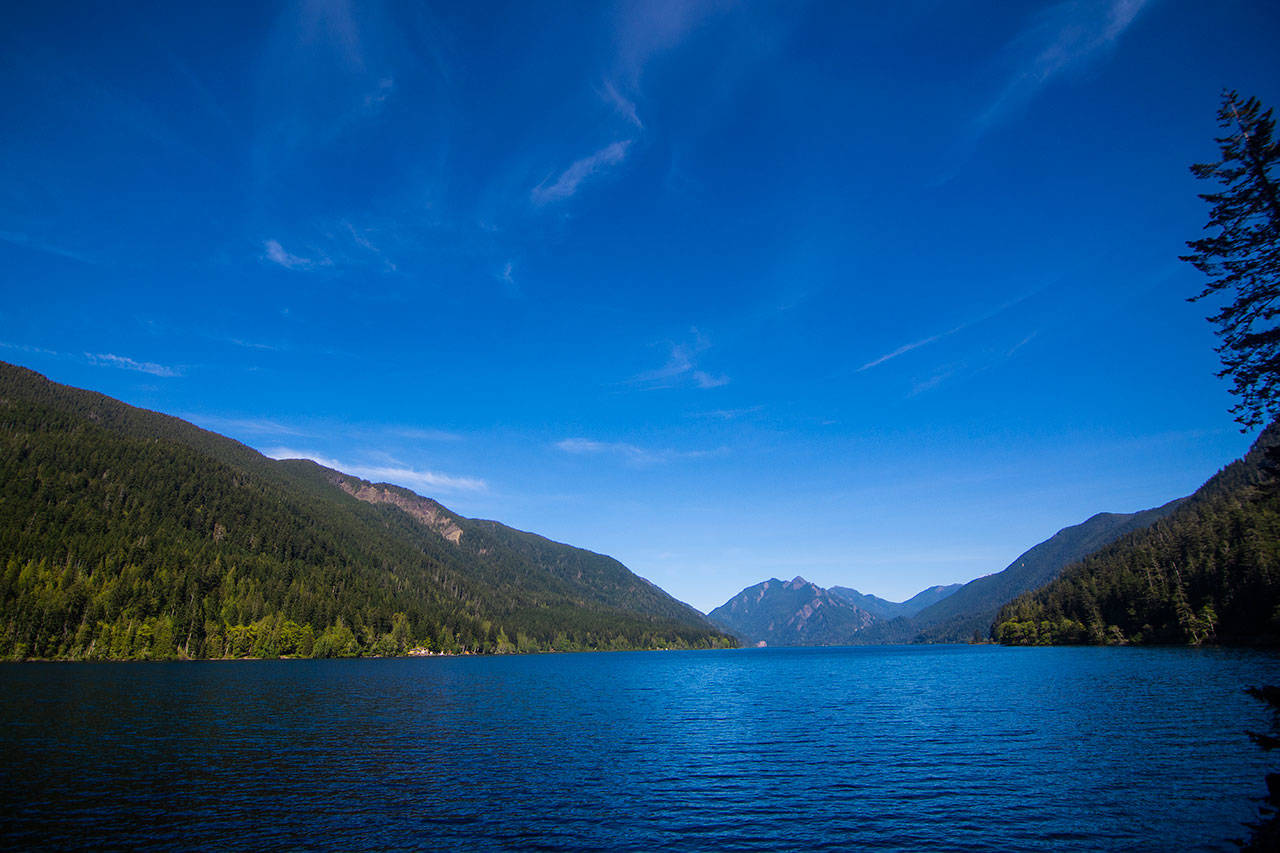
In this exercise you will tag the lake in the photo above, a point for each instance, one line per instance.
(877, 748)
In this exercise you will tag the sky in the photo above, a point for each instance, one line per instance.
(879, 294)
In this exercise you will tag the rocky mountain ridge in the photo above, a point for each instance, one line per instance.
(791, 613)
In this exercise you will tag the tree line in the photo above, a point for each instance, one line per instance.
(125, 534)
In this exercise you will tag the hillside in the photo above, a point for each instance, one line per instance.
(791, 613)
(968, 613)
(799, 613)
(1209, 572)
(129, 534)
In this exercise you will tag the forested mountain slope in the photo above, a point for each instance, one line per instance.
(968, 613)
(1209, 572)
(129, 534)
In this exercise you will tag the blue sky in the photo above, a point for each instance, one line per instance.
(881, 294)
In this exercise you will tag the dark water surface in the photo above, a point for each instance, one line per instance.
(898, 748)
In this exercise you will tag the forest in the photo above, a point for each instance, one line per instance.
(1207, 573)
(126, 534)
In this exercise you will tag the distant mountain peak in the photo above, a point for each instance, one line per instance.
(791, 613)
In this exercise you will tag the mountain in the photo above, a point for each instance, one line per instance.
(130, 534)
(1208, 572)
(969, 612)
(791, 613)
(883, 609)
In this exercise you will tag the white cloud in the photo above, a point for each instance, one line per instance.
(905, 348)
(679, 362)
(621, 104)
(634, 455)
(509, 284)
(395, 474)
(253, 344)
(1022, 343)
(29, 349)
(571, 178)
(729, 414)
(420, 479)
(935, 380)
(361, 239)
(682, 368)
(277, 255)
(106, 359)
(1062, 39)
(261, 426)
(648, 28)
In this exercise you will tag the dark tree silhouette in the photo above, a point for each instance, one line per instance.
(1243, 257)
(1266, 831)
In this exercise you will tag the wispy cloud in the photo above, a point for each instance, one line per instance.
(647, 29)
(729, 414)
(256, 426)
(906, 348)
(705, 380)
(682, 368)
(240, 342)
(28, 242)
(277, 255)
(679, 363)
(507, 276)
(28, 349)
(415, 479)
(622, 105)
(361, 238)
(638, 456)
(975, 364)
(571, 178)
(398, 475)
(982, 318)
(106, 359)
(935, 380)
(1022, 343)
(1062, 39)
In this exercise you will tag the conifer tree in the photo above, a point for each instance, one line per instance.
(1242, 259)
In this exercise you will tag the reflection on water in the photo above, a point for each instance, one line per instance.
(949, 748)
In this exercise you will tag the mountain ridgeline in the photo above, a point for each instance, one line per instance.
(883, 609)
(791, 613)
(1209, 572)
(799, 613)
(129, 534)
(968, 614)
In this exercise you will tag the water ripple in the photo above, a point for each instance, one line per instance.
(945, 748)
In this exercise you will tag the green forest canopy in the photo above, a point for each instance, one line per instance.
(128, 534)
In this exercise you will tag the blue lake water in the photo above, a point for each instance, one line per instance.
(897, 748)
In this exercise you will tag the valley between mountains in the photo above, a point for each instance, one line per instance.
(799, 613)
(129, 534)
